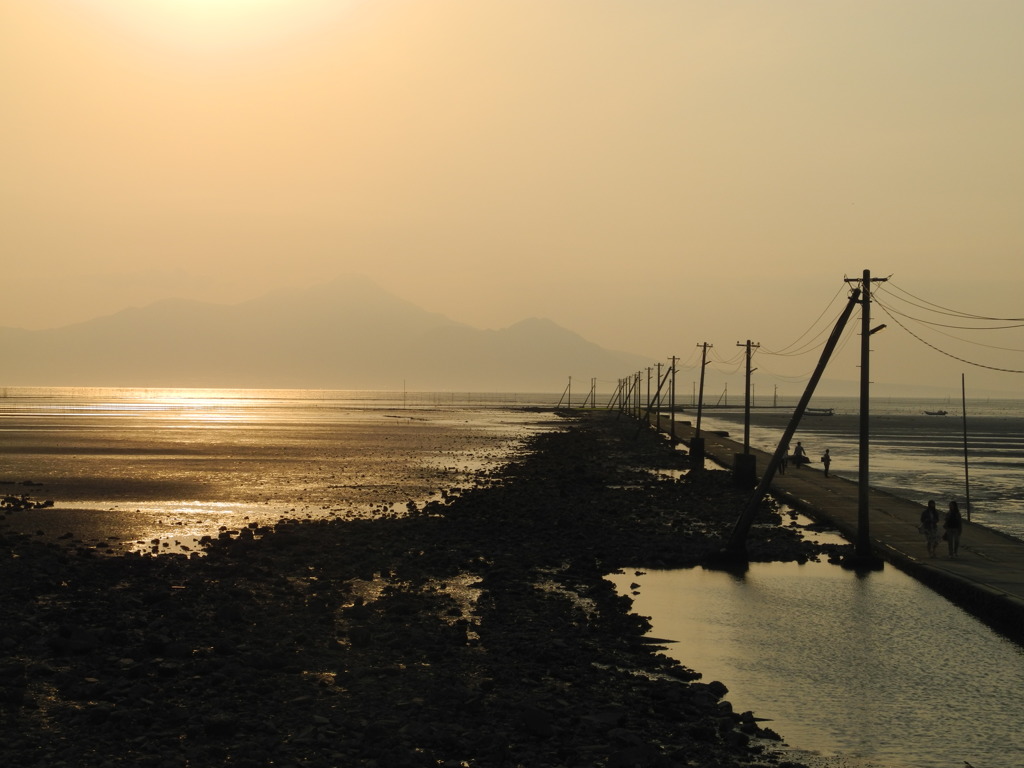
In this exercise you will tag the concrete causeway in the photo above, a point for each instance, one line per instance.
(987, 579)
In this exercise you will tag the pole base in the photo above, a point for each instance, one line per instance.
(862, 562)
(697, 453)
(744, 470)
(731, 560)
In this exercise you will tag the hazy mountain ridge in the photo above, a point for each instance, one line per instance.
(347, 334)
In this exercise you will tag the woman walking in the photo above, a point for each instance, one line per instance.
(953, 526)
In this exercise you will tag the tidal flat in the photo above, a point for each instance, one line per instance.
(477, 628)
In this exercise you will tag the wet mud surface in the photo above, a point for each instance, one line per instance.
(475, 630)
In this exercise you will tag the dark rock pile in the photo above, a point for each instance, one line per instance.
(477, 631)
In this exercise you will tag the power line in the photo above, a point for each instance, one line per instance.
(944, 352)
(953, 312)
(960, 327)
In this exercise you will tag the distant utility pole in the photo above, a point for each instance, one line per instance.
(863, 543)
(672, 397)
(697, 443)
(745, 464)
(700, 392)
(746, 396)
(649, 369)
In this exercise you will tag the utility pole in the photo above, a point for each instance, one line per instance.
(746, 396)
(672, 398)
(862, 547)
(967, 476)
(735, 551)
(745, 464)
(648, 394)
(697, 443)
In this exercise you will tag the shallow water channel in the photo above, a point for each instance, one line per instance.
(856, 670)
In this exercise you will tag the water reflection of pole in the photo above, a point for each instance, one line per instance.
(967, 478)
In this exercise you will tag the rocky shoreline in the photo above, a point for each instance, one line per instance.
(478, 630)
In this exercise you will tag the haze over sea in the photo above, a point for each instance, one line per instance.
(157, 463)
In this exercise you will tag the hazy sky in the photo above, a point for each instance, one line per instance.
(651, 174)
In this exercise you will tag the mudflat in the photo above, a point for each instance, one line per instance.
(475, 629)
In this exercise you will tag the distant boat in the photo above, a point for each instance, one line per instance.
(935, 413)
(821, 411)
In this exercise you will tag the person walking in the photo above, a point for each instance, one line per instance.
(930, 527)
(826, 460)
(953, 525)
(799, 455)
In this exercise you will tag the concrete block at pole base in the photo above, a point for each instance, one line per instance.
(697, 453)
(744, 470)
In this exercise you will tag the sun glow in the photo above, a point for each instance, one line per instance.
(217, 25)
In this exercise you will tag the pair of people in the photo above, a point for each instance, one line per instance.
(952, 527)
(800, 457)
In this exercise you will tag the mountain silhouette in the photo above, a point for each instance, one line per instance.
(346, 334)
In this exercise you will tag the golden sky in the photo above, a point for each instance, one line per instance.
(651, 174)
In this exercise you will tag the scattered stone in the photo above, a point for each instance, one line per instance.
(478, 631)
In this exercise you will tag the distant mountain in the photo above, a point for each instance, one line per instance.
(346, 334)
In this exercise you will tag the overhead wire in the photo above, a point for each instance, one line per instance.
(946, 325)
(813, 344)
(946, 310)
(894, 318)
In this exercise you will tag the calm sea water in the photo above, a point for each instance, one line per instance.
(155, 470)
(913, 455)
(854, 671)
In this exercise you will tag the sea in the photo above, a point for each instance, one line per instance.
(137, 466)
(854, 670)
(918, 449)
(157, 470)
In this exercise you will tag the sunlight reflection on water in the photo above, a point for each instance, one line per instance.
(877, 668)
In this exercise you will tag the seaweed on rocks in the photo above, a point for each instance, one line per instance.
(478, 630)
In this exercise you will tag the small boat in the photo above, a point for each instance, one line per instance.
(821, 411)
(935, 413)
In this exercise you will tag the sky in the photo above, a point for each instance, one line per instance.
(651, 174)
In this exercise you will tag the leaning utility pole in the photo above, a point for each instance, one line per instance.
(862, 548)
(657, 397)
(736, 548)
